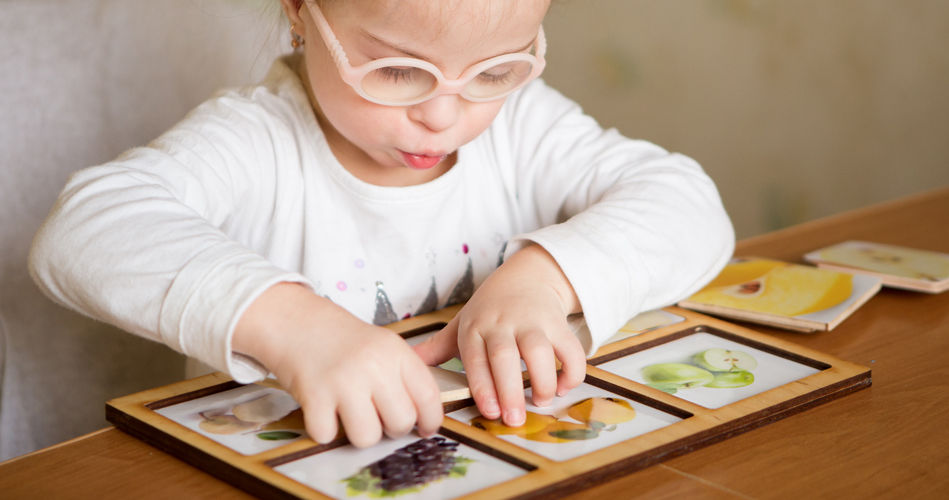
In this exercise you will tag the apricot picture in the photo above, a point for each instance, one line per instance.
(534, 422)
(602, 412)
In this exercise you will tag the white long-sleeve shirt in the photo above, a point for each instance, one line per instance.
(174, 240)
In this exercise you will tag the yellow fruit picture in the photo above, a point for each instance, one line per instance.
(534, 422)
(587, 419)
(594, 415)
(775, 287)
(605, 411)
(887, 259)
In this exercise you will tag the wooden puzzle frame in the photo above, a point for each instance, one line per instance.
(546, 478)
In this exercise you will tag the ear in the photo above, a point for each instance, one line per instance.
(292, 9)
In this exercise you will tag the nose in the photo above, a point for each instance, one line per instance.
(437, 114)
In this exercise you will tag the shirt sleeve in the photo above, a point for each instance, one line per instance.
(632, 226)
(157, 241)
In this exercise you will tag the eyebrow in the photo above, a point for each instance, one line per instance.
(409, 53)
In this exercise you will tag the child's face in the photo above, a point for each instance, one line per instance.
(375, 142)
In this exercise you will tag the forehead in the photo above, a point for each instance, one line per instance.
(444, 26)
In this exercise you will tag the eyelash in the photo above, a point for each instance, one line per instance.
(405, 74)
(495, 79)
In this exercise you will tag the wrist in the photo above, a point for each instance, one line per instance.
(273, 319)
(542, 266)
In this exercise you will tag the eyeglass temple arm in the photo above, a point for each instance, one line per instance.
(330, 38)
(541, 45)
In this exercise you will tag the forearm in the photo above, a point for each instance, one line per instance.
(651, 240)
(281, 313)
(120, 246)
(632, 226)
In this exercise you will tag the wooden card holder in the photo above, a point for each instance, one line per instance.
(542, 477)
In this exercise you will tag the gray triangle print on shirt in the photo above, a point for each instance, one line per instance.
(464, 289)
(501, 254)
(431, 300)
(384, 312)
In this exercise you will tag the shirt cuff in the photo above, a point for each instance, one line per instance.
(207, 299)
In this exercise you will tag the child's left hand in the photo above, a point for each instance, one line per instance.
(519, 312)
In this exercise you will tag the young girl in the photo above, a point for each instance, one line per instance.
(404, 158)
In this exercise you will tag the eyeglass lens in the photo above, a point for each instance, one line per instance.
(406, 83)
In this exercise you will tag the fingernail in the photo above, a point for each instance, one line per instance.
(515, 418)
(563, 392)
(491, 407)
(542, 404)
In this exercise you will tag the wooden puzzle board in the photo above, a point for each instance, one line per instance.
(614, 369)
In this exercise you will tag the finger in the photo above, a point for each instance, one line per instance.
(505, 363)
(319, 416)
(423, 391)
(573, 360)
(474, 356)
(360, 419)
(440, 347)
(396, 409)
(538, 354)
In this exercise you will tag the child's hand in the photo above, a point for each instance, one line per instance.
(519, 312)
(333, 363)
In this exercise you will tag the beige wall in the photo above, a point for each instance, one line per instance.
(797, 108)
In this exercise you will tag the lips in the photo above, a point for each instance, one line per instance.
(420, 161)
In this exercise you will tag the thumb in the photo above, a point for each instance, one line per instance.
(440, 347)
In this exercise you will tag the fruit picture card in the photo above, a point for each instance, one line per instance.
(249, 419)
(896, 266)
(425, 469)
(586, 420)
(783, 295)
(646, 398)
(709, 370)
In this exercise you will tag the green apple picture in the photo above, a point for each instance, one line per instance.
(712, 368)
(682, 375)
(731, 380)
(709, 369)
(667, 387)
(720, 360)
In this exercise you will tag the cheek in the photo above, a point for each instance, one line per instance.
(363, 123)
(479, 116)
(357, 119)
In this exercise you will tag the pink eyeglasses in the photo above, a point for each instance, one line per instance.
(404, 81)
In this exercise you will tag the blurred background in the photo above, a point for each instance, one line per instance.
(798, 109)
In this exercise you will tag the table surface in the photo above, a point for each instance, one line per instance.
(890, 440)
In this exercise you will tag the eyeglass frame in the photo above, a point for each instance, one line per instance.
(353, 76)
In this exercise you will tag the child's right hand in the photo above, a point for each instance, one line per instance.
(333, 364)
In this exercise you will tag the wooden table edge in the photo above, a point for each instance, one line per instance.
(58, 445)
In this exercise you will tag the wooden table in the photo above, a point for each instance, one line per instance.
(888, 441)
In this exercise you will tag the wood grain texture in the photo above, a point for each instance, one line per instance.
(108, 464)
(889, 441)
